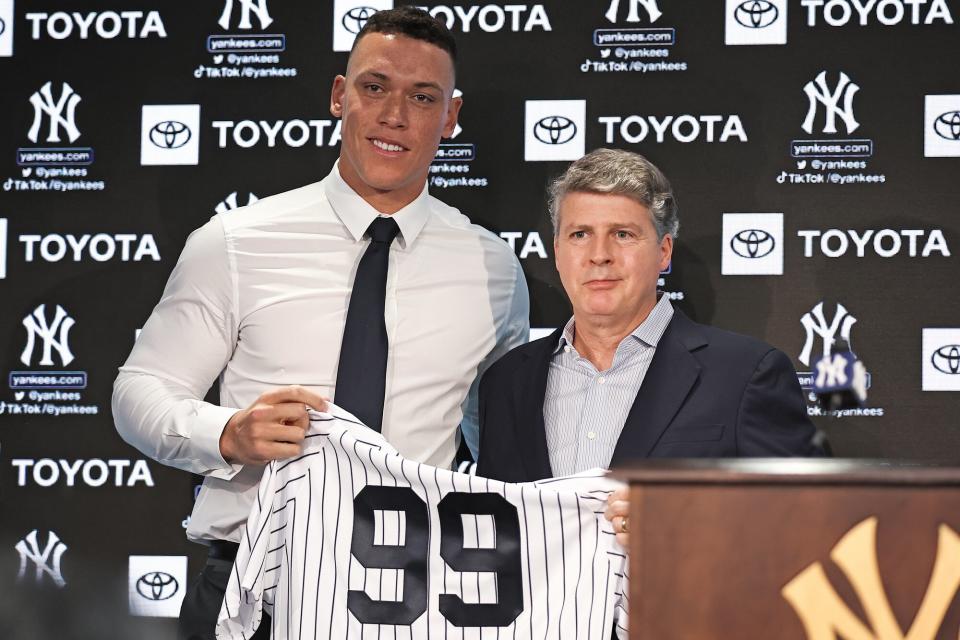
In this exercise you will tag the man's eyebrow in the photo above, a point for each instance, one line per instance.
(376, 74)
(605, 225)
(428, 85)
(385, 78)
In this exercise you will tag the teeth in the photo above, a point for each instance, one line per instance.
(387, 147)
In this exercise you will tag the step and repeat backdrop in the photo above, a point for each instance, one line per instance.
(814, 146)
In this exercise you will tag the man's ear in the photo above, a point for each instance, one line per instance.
(666, 251)
(453, 112)
(336, 96)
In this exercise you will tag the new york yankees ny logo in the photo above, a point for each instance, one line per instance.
(230, 202)
(832, 371)
(43, 103)
(818, 92)
(54, 335)
(47, 562)
(825, 616)
(633, 13)
(247, 8)
(816, 324)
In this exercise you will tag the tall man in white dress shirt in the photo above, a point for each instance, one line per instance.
(263, 297)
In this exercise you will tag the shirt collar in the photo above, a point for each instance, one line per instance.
(566, 337)
(356, 214)
(649, 331)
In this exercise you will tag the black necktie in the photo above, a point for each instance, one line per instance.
(362, 373)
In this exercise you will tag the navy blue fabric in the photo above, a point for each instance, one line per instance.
(708, 393)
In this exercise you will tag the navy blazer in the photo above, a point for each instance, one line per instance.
(708, 393)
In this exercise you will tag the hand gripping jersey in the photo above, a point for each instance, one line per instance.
(350, 540)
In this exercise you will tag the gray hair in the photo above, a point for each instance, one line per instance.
(622, 173)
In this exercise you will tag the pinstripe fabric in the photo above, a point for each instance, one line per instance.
(584, 410)
(297, 562)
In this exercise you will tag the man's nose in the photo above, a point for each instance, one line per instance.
(600, 252)
(394, 111)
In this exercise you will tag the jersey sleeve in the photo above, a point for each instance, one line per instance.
(249, 587)
(618, 560)
(622, 607)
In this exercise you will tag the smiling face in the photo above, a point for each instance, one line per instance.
(396, 105)
(609, 258)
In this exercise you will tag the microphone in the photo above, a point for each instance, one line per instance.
(840, 379)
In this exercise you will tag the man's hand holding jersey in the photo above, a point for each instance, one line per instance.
(272, 428)
(617, 512)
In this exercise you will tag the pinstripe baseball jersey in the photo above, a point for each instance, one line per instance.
(350, 540)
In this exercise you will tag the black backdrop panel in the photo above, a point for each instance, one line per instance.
(813, 147)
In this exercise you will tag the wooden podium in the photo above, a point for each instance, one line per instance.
(788, 549)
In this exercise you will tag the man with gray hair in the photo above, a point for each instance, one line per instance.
(629, 376)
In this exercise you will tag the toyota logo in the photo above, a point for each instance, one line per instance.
(946, 359)
(170, 134)
(157, 585)
(756, 14)
(947, 125)
(354, 19)
(3, 26)
(752, 243)
(554, 130)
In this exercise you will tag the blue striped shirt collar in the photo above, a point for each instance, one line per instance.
(648, 332)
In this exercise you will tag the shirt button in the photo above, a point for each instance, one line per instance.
(566, 349)
(601, 380)
(591, 435)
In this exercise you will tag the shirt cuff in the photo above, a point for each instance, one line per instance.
(210, 421)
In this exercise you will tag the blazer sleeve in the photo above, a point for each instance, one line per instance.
(772, 419)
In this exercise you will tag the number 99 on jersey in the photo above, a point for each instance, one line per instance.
(412, 556)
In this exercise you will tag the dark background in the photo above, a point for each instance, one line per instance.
(893, 298)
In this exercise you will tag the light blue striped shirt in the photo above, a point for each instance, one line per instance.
(584, 409)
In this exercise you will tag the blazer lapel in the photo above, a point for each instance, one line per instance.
(530, 383)
(668, 381)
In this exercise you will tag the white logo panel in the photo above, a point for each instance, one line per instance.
(941, 359)
(941, 126)
(349, 16)
(6, 28)
(157, 585)
(756, 22)
(752, 244)
(537, 333)
(170, 134)
(555, 129)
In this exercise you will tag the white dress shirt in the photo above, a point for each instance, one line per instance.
(584, 410)
(259, 298)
